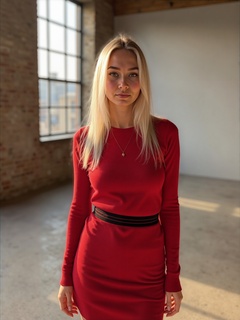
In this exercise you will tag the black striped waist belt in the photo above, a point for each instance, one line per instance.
(129, 221)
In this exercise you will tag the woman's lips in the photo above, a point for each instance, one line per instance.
(123, 95)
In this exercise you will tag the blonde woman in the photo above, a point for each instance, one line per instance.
(121, 260)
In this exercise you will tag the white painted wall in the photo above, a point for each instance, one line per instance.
(193, 58)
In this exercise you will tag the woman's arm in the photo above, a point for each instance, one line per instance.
(170, 217)
(79, 210)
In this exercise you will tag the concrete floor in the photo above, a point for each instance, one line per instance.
(33, 236)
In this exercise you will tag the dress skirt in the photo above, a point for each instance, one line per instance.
(119, 272)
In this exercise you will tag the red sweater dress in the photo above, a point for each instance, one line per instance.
(122, 272)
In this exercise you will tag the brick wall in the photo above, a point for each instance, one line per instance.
(26, 164)
(104, 23)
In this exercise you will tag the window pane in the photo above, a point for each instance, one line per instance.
(42, 8)
(43, 93)
(56, 11)
(73, 69)
(58, 120)
(73, 15)
(57, 66)
(73, 95)
(58, 95)
(44, 121)
(79, 44)
(74, 117)
(72, 42)
(56, 37)
(42, 33)
(42, 63)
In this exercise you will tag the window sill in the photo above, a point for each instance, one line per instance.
(57, 137)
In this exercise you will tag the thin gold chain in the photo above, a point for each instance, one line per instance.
(122, 150)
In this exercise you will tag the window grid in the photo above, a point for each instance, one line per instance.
(51, 113)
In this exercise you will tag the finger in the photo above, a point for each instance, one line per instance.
(74, 309)
(176, 303)
(67, 312)
(172, 312)
(169, 300)
(62, 303)
(69, 301)
(168, 308)
(64, 307)
(72, 312)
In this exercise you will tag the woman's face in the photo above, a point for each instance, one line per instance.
(122, 85)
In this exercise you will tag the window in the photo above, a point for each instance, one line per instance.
(59, 68)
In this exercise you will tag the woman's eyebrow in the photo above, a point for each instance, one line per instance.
(116, 68)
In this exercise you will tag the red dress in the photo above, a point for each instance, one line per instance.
(122, 272)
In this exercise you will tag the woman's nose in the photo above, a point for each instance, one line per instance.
(123, 84)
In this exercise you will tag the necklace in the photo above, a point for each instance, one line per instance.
(122, 150)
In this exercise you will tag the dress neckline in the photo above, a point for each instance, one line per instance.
(122, 129)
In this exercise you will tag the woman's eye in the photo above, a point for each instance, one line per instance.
(133, 75)
(113, 74)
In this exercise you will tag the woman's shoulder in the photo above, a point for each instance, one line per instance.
(164, 125)
(80, 133)
(166, 132)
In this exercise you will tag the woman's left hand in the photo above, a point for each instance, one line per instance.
(66, 303)
(173, 303)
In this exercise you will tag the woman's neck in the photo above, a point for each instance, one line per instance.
(121, 118)
(122, 125)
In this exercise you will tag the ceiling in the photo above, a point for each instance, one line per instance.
(124, 7)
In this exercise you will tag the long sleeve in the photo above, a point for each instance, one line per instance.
(170, 216)
(79, 210)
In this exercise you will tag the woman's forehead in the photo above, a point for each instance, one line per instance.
(123, 57)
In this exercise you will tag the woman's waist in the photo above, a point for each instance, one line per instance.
(126, 219)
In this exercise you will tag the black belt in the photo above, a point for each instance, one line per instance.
(126, 220)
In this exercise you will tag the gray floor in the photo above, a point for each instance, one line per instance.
(33, 236)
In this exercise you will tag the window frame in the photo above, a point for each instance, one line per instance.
(66, 108)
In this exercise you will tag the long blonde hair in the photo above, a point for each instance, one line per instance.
(98, 123)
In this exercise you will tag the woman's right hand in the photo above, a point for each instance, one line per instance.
(65, 297)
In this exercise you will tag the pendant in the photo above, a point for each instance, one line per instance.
(123, 154)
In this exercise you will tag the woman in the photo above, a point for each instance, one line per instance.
(121, 260)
